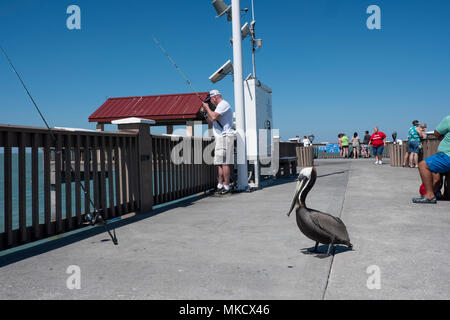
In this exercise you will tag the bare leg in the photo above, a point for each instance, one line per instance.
(411, 160)
(437, 182)
(220, 174)
(406, 159)
(226, 174)
(427, 179)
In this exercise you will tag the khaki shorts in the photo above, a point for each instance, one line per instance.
(224, 150)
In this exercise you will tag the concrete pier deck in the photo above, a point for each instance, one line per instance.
(243, 246)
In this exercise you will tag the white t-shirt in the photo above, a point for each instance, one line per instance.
(306, 142)
(226, 120)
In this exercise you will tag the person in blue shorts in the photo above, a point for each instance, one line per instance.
(431, 168)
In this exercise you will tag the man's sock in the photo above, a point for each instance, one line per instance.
(226, 187)
(219, 186)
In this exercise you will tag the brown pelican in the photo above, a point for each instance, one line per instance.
(318, 226)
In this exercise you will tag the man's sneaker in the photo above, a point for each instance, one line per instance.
(219, 191)
(380, 162)
(225, 191)
(376, 162)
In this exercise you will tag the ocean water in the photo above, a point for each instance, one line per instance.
(15, 192)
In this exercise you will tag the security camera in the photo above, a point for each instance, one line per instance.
(222, 72)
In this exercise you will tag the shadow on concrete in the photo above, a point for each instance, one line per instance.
(283, 180)
(322, 250)
(333, 173)
(50, 244)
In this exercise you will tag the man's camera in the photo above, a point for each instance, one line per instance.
(210, 105)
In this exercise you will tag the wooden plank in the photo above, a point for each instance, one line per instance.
(58, 193)
(78, 180)
(47, 185)
(95, 176)
(22, 189)
(87, 174)
(124, 176)
(164, 169)
(110, 176)
(135, 166)
(131, 174)
(155, 170)
(68, 180)
(7, 169)
(160, 171)
(117, 160)
(170, 173)
(183, 174)
(35, 185)
(178, 179)
(102, 186)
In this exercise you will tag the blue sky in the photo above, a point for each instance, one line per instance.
(329, 73)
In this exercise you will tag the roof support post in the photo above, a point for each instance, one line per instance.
(190, 128)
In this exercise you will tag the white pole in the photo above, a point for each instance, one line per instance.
(242, 182)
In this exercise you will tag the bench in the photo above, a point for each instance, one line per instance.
(288, 166)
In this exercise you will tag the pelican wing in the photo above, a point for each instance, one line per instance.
(330, 224)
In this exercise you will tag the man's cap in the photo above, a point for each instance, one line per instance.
(415, 122)
(213, 93)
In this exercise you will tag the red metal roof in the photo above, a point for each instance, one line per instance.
(159, 107)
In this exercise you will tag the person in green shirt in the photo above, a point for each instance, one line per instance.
(344, 141)
(431, 168)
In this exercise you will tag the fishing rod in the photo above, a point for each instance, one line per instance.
(184, 76)
(88, 217)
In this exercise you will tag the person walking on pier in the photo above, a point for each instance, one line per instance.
(365, 147)
(414, 135)
(431, 168)
(356, 145)
(222, 121)
(344, 140)
(378, 141)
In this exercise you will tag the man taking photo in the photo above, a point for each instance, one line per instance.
(221, 120)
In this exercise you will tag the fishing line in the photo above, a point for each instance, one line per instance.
(92, 219)
(181, 73)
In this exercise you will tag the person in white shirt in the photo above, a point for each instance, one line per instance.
(222, 121)
(306, 142)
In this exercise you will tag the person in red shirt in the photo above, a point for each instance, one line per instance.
(378, 141)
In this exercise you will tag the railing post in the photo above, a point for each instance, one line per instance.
(144, 159)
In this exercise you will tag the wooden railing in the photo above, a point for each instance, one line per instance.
(174, 180)
(49, 178)
(318, 154)
(398, 151)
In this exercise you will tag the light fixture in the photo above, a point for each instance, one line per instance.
(222, 72)
(311, 137)
(245, 30)
(222, 8)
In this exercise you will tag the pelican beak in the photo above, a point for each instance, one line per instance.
(300, 184)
